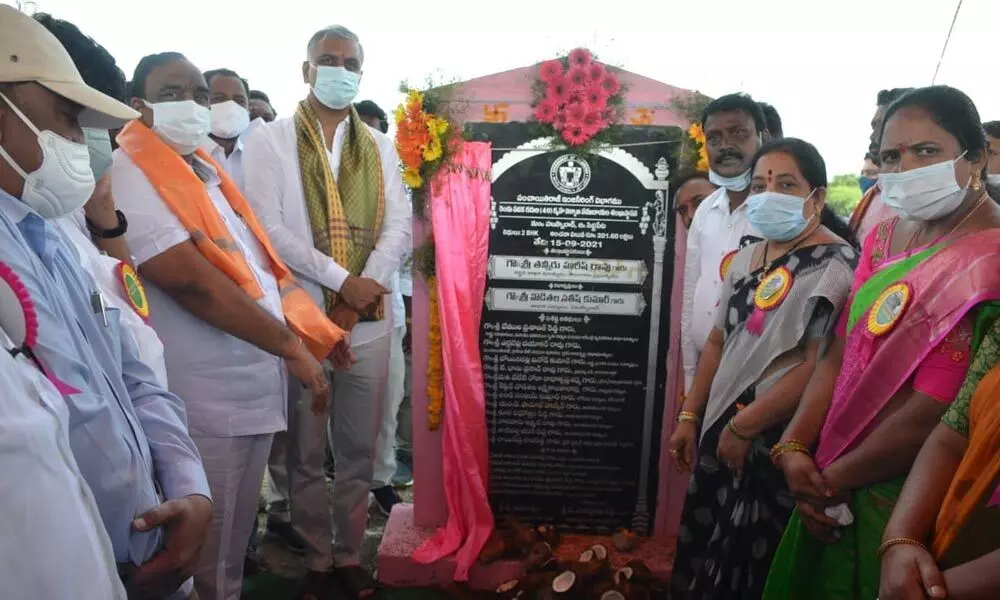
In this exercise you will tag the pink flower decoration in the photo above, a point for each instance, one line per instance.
(596, 98)
(559, 122)
(546, 111)
(610, 84)
(593, 123)
(575, 136)
(551, 70)
(595, 73)
(577, 76)
(558, 92)
(576, 112)
(580, 57)
(27, 306)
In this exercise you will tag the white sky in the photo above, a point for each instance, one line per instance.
(820, 63)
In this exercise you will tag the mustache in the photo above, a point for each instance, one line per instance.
(728, 153)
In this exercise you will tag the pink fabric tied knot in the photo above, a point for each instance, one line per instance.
(460, 214)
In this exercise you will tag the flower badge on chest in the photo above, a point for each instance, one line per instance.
(770, 293)
(19, 320)
(135, 293)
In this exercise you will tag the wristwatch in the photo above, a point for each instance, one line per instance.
(107, 234)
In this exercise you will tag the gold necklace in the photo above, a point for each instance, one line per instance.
(975, 206)
(763, 259)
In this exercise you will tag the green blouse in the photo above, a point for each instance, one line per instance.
(985, 358)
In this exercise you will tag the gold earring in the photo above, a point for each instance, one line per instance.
(977, 181)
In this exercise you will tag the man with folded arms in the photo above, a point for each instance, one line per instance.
(229, 313)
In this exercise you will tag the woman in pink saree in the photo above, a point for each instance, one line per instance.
(919, 304)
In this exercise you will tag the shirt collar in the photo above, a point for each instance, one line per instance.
(33, 227)
(212, 148)
(205, 171)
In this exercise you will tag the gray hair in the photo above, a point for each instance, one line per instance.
(338, 32)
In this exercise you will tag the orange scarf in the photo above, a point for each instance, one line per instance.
(186, 196)
(979, 467)
(862, 208)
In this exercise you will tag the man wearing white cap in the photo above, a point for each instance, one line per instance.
(128, 435)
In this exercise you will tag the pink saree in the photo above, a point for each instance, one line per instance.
(946, 283)
(460, 213)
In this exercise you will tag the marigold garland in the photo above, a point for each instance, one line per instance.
(435, 379)
(697, 135)
(420, 139)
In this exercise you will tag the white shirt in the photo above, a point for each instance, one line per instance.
(104, 269)
(55, 545)
(714, 233)
(229, 386)
(274, 188)
(233, 164)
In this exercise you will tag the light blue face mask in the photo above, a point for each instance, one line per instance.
(335, 87)
(777, 216)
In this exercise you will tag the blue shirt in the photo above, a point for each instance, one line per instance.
(129, 435)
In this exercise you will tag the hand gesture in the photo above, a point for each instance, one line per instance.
(361, 292)
(341, 357)
(910, 573)
(804, 480)
(733, 451)
(817, 523)
(186, 521)
(682, 446)
(307, 369)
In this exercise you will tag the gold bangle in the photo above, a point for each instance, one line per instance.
(688, 417)
(735, 430)
(897, 541)
(788, 446)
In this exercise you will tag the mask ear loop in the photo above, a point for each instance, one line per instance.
(3, 151)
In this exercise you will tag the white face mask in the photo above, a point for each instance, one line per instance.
(923, 194)
(993, 179)
(733, 184)
(229, 120)
(65, 180)
(183, 125)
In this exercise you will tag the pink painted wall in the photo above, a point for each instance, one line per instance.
(647, 103)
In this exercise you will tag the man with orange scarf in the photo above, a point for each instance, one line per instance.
(330, 192)
(228, 311)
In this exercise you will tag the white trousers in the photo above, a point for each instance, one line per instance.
(385, 444)
(235, 468)
(296, 464)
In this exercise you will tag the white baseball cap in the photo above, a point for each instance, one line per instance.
(29, 52)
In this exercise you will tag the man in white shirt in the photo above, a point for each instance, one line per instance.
(230, 120)
(329, 191)
(221, 303)
(55, 544)
(734, 126)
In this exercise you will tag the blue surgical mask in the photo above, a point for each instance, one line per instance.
(336, 87)
(778, 217)
(867, 183)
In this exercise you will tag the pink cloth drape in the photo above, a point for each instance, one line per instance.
(460, 215)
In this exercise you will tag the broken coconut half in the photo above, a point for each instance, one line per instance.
(600, 552)
(587, 555)
(612, 595)
(623, 574)
(508, 586)
(564, 582)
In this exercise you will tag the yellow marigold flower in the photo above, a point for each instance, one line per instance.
(412, 178)
(437, 126)
(434, 150)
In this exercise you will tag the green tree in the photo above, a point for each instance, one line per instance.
(843, 194)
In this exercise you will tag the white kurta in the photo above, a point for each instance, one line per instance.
(54, 542)
(714, 233)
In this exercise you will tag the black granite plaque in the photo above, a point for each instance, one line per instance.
(574, 397)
